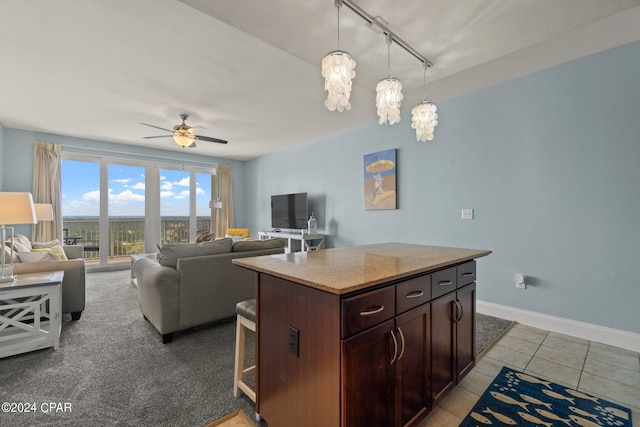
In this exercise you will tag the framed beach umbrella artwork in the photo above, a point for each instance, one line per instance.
(380, 180)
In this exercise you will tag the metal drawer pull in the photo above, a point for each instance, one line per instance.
(372, 310)
(445, 283)
(467, 274)
(395, 347)
(414, 294)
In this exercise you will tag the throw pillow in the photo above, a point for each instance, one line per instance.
(40, 245)
(21, 243)
(37, 256)
(257, 245)
(56, 250)
(236, 238)
(169, 254)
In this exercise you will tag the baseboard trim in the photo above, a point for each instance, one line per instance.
(615, 337)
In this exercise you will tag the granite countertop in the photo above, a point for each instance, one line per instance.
(343, 270)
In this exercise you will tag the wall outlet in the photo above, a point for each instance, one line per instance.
(520, 283)
(294, 341)
(467, 213)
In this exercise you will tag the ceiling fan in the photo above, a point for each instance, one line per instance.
(184, 135)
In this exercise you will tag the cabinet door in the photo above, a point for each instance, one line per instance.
(413, 365)
(367, 377)
(442, 346)
(465, 327)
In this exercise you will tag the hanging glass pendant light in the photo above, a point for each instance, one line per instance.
(424, 118)
(389, 94)
(338, 71)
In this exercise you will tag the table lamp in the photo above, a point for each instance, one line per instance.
(44, 211)
(15, 208)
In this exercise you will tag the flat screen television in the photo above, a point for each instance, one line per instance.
(289, 211)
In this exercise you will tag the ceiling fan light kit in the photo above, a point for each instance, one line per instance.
(338, 71)
(183, 134)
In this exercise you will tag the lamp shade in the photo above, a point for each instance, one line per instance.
(184, 135)
(424, 119)
(388, 100)
(44, 211)
(17, 208)
(338, 71)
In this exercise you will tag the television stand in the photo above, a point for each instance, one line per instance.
(308, 242)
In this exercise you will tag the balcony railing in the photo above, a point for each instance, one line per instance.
(126, 236)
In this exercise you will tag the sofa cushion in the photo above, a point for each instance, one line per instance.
(21, 243)
(37, 256)
(257, 245)
(40, 245)
(56, 250)
(169, 254)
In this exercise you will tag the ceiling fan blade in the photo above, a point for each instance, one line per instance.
(207, 138)
(193, 145)
(157, 127)
(159, 136)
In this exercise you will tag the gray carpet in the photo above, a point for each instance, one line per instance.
(488, 328)
(114, 370)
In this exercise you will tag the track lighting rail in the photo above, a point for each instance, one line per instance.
(379, 25)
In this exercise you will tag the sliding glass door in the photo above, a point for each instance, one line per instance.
(116, 208)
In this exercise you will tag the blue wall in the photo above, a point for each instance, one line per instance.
(549, 161)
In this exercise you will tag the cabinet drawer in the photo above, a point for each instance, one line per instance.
(368, 309)
(466, 273)
(443, 282)
(413, 293)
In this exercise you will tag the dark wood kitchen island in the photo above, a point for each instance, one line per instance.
(370, 335)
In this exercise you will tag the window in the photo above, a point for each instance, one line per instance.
(111, 205)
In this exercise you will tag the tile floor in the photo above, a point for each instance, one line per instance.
(598, 369)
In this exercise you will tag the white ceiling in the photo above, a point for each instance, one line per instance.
(248, 70)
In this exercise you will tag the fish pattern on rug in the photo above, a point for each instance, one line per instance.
(516, 398)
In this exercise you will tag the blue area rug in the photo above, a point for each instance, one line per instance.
(516, 398)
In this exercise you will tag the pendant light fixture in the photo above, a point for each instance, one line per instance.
(424, 118)
(389, 94)
(338, 71)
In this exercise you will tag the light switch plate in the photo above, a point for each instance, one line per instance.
(467, 213)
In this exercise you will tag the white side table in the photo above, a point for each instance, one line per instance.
(308, 242)
(30, 313)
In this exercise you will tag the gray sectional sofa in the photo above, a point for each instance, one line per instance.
(194, 284)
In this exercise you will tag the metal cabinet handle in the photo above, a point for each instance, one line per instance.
(401, 339)
(467, 274)
(372, 310)
(459, 313)
(395, 347)
(414, 294)
(445, 283)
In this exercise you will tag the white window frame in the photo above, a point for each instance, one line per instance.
(152, 195)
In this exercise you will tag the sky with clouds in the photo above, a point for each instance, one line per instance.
(81, 190)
